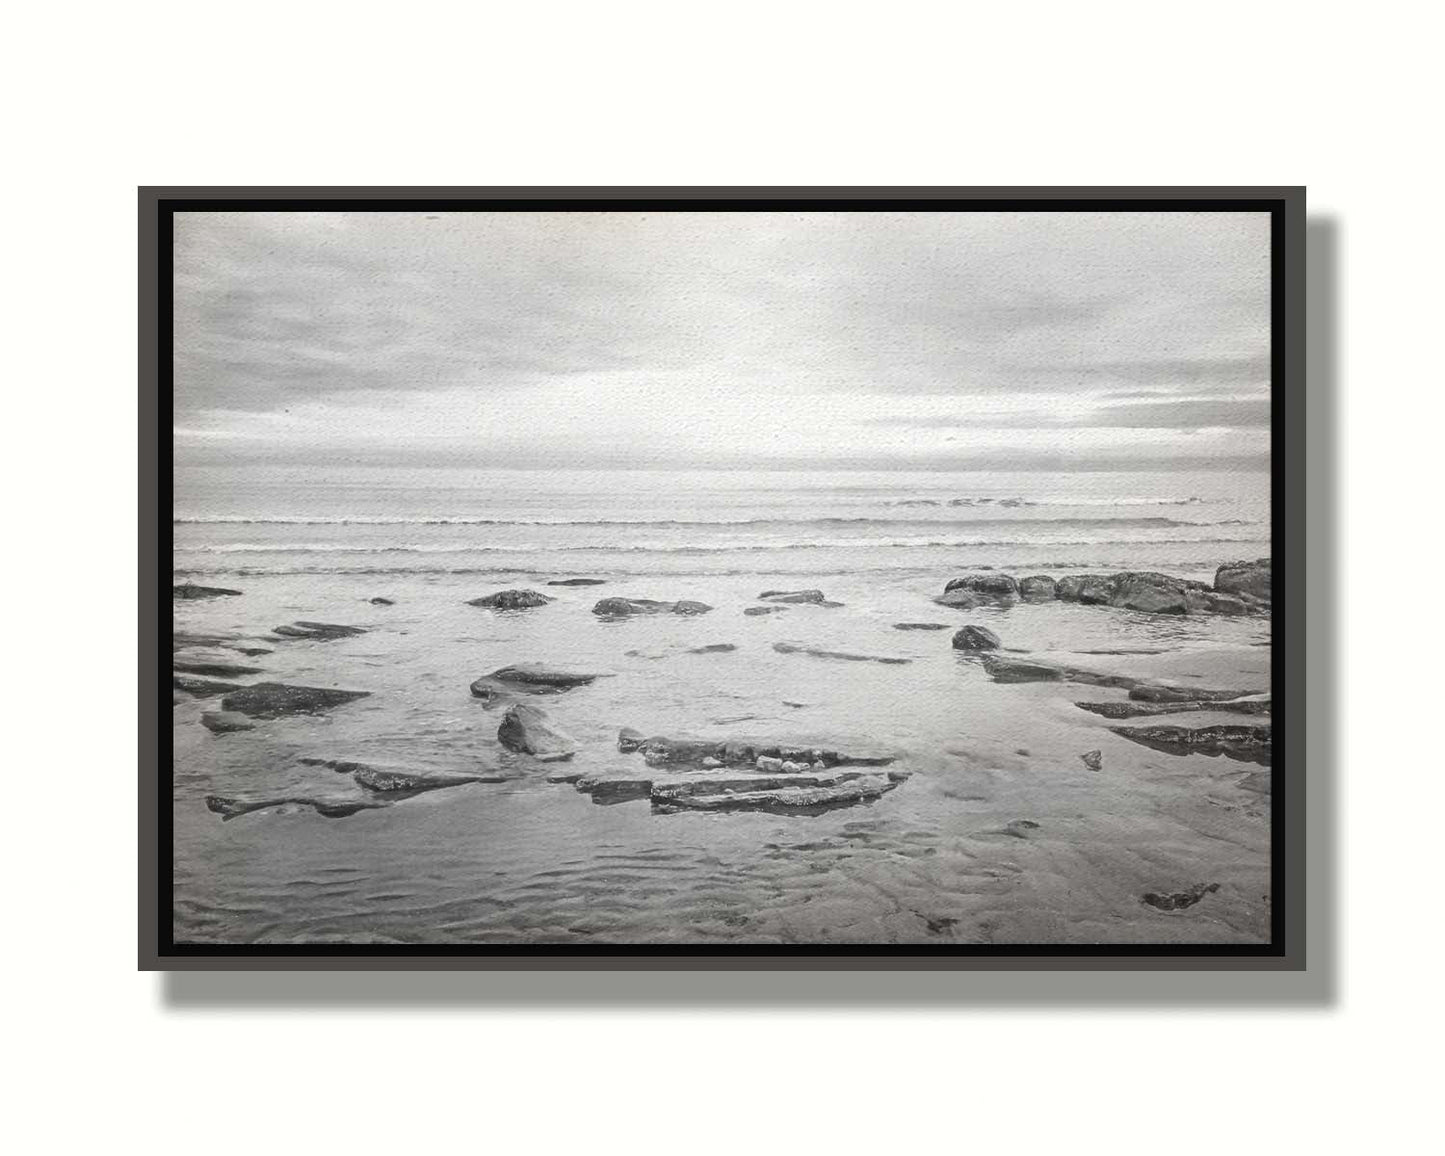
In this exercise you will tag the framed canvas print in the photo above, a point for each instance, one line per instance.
(687, 578)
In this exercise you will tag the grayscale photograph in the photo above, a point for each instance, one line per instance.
(762, 578)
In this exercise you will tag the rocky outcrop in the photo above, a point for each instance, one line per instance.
(1005, 669)
(187, 591)
(755, 611)
(792, 596)
(229, 808)
(511, 600)
(224, 722)
(627, 607)
(1254, 705)
(1246, 743)
(793, 797)
(1164, 692)
(277, 699)
(920, 626)
(578, 582)
(527, 729)
(1090, 589)
(1038, 588)
(976, 638)
(402, 782)
(662, 750)
(215, 669)
(317, 631)
(1179, 900)
(959, 600)
(1255, 579)
(989, 587)
(528, 678)
(1149, 593)
(841, 655)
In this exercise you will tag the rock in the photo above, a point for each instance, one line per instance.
(229, 808)
(986, 586)
(578, 582)
(318, 631)
(393, 782)
(186, 640)
(1020, 670)
(626, 607)
(976, 638)
(714, 648)
(1258, 704)
(528, 678)
(1020, 828)
(1038, 588)
(1245, 743)
(223, 722)
(629, 740)
(613, 788)
(791, 796)
(791, 596)
(1161, 692)
(1179, 900)
(276, 699)
(188, 591)
(1225, 604)
(202, 687)
(1253, 578)
(662, 750)
(1094, 760)
(754, 611)
(1149, 593)
(525, 728)
(792, 648)
(958, 600)
(382, 602)
(215, 669)
(920, 626)
(1090, 589)
(511, 600)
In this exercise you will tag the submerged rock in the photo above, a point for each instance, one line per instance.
(317, 631)
(277, 699)
(920, 626)
(1179, 900)
(527, 729)
(511, 600)
(1002, 669)
(976, 638)
(1038, 588)
(578, 582)
(382, 602)
(1245, 743)
(795, 795)
(985, 586)
(629, 740)
(224, 722)
(397, 781)
(792, 596)
(754, 611)
(1162, 692)
(1253, 578)
(626, 607)
(714, 648)
(528, 678)
(1150, 593)
(202, 687)
(229, 808)
(215, 669)
(187, 591)
(1255, 704)
(1094, 760)
(842, 655)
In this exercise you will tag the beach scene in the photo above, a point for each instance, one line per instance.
(785, 579)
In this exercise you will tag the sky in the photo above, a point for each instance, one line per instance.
(724, 340)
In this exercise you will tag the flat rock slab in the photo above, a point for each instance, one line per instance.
(511, 600)
(214, 669)
(627, 607)
(388, 781)
(757, 611)
(317, 631)
(921, 626)
(1158, 692)
(203, 687)
(224, 722)
(188, 591)
(186, 640)
(1245, 743)
(578, 582)
(529, 678)
(276, 699)
(1256, 705)
(792, 596)
(661, 750)
(799, 800)
(1002, 669)
(840, 655)
(229, 808)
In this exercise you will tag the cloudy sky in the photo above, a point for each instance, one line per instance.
(933, 340)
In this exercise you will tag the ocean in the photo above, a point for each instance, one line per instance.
(946, 857)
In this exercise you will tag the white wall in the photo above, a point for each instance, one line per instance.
(1344, 99)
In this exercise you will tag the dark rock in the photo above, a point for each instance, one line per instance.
(528, 678)
(1179, 900)
(1160, 692)
(578, 582)
(1245, 743)
(976, 638)
(959, 600)
(223, 722)
(1038, 588)
(1090, 589)
(792, 648)
(920, 626)
(202, 687)
(511, 600)
(1259, 704)
(791, 596)
(318, 631)
(187, 591)
(985, 586)
(714, 648)
(215, 669)
(382, 602)
(275, 699)
(229, 808)
(629, 740)
(1149, 593)
(1094, 760)
(186, 640)
(662, 750)
(626, 607)
(1020, 828)
(393, 782)
(1020, 670)
(794, 795)
(1253, 578)
(525, 728)
(1225, 604)
(754, 611)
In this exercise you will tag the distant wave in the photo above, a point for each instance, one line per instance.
(1082, 523)
(1009, 503)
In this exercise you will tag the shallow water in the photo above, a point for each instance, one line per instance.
(534, 861)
